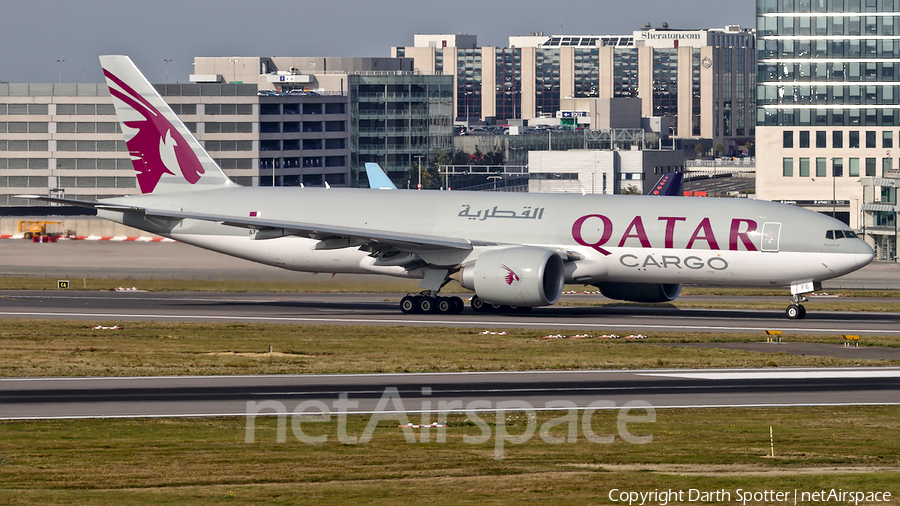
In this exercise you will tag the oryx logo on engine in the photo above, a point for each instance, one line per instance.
(510, 276)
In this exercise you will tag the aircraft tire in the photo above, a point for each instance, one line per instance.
(458, 305)
(445, 305)
(426, 305)
(795, 312)
(408, 305)
(478, 305)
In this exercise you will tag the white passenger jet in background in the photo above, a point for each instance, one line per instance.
(514, 250)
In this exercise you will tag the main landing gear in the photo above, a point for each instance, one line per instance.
(795, 311)
(428, 302)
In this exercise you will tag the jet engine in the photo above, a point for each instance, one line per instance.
(519, 276)
(640, 292)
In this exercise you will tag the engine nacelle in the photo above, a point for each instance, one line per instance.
(640, 292)
(518, 276)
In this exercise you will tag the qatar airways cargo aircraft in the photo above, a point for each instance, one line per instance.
(514, 250)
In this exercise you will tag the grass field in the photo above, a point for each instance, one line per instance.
(206, 460)
(143, 461)
(75, 348)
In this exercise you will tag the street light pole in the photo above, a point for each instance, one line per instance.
(419, 157)
(59, 62)
(233, 69)
(167, 60)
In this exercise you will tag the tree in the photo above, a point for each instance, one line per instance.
(431, 176)
(720, 149)
(748, 148)
(699, 148)
(630, 190)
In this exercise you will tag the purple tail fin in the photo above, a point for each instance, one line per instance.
(165, 155)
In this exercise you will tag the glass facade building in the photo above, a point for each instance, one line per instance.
(828, 104)
(397, 118)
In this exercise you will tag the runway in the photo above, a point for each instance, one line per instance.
(32, 398)
(382, 309)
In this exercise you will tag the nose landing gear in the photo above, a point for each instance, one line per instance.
(796, 311)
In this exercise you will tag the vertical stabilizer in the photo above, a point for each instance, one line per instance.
(377, 178)
(165, 155)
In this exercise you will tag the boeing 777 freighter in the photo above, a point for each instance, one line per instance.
(514, 250)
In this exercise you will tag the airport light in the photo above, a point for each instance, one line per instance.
(167, 60)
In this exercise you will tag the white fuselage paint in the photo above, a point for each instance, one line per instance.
(637, 265)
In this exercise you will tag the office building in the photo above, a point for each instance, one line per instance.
(397, 116)
(701, 80)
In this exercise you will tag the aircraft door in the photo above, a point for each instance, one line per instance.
(771, 236)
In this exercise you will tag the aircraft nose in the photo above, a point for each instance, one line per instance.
(864, 253)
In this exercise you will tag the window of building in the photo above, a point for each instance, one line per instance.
(870, 167)
(335, 108)
(837, 139)
(335, 161)
(837, 167)
(788, 140)
(312, 161)
(887, 139)
(870, 139)
(312, 126)
(787, 167)
(820, 139)
(885, 166)
(335, 143)
(312, 108)
(804, 138)
(820, 167)
(263, 109)
(336, 179)
(854, 167)
(804, 167)
(854, 139)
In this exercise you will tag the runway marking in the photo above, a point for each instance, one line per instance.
(780, 374)
(614, 372)
(450, 323)
(494, 410)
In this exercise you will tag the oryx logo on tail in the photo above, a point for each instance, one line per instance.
(157, 148)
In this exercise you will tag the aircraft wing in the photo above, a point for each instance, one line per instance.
(276, 228)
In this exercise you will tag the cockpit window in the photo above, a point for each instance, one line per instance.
(840, 234)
